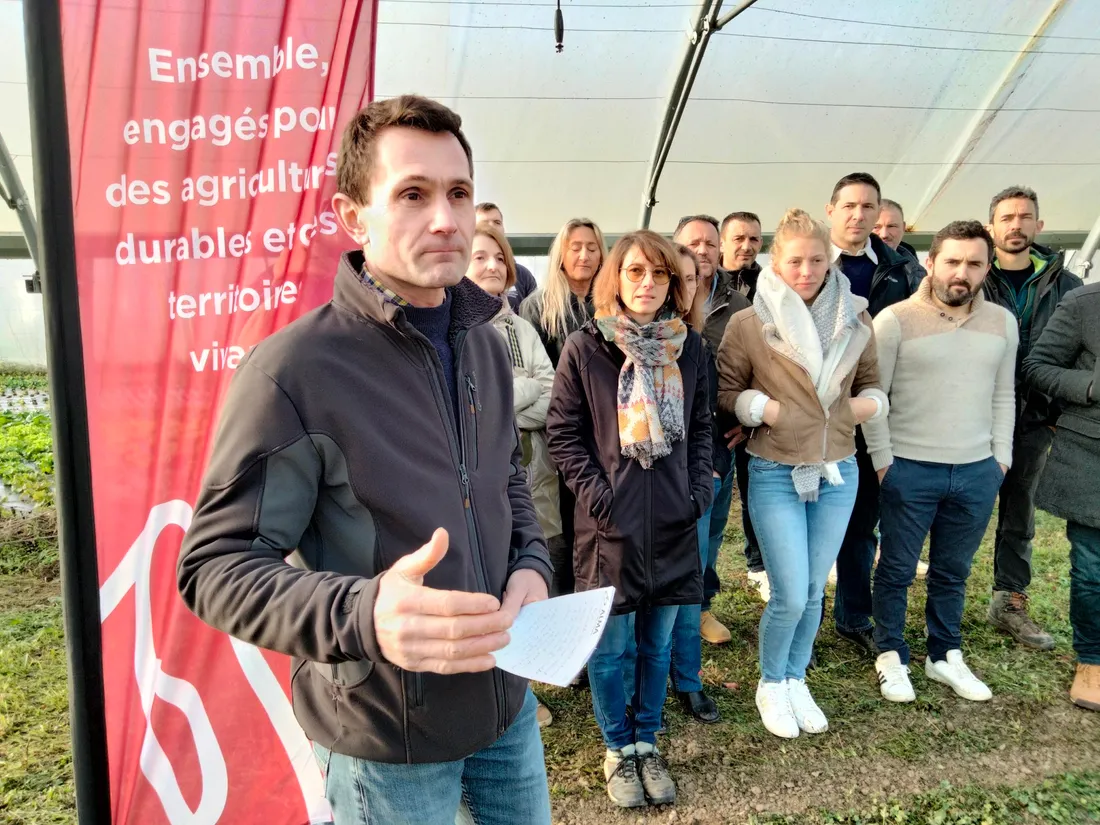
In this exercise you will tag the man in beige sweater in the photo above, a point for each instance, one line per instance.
(947, 358)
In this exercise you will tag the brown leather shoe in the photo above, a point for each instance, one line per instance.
(712, 630)
(1085, 692)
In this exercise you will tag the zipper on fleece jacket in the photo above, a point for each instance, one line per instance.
(458, 457)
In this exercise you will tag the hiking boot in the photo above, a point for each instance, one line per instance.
(544, 716)
(658, 784)
(1008, 612)
(954, 673)
(893, 678)
(864, 639)
(713, 630)
(807, 714)
(1085, 692)
(763, 586)
(624, 786)
(774, 704)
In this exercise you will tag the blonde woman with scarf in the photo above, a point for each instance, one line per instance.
(629, 429)
(799, 368)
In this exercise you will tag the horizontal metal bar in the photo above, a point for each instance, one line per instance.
(13, 247)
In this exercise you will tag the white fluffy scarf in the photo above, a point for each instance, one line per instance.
(826, 338)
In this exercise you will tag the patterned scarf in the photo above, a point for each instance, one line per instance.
(650, 396)
(816, 337)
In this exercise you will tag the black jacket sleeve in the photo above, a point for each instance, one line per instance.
(569, 431)
(528, 546)
(257, 500)
(1049, 366)
(699, 429)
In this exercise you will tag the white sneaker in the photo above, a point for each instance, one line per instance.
(762, 585)
(774, 703)
(954, 673)
(893, 678)
(832, 574)
(922, 570)
(807, 714)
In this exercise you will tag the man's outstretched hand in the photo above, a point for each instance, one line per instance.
(420, 628)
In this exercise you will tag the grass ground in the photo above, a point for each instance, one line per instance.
(1026, 757)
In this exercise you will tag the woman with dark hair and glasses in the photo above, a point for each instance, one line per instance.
(629, 429)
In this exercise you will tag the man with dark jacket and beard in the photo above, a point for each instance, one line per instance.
(883, 277)
(359, 517)
(1029, 281)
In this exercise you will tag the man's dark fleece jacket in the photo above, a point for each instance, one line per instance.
(1032, 307)
(339, 451)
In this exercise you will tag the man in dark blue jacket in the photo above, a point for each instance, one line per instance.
(1028, 280)
(525, 281)
(883, 277)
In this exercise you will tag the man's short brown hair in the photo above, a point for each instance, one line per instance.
(355, 165)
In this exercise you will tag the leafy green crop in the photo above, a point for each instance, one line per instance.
(26, 456)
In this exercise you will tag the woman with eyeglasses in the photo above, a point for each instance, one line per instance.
(629, 428)
(800, 369)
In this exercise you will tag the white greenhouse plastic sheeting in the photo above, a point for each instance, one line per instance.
(791, 95)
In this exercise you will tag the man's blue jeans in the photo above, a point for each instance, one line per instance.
(799, 541)
(687, 644)
(1084, 590)
(499, 785)
(651, 629)
(719, 516)
(952, 501)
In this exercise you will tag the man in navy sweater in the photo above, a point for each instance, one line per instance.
(883, 277)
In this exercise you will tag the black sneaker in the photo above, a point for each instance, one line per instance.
(861, 638)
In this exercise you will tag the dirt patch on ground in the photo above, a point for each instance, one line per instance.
(23, 592)
(789, 780)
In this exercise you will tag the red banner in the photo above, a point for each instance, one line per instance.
(203, 136)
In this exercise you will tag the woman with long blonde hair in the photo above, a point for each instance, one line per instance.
(558, 309)
(564, 303)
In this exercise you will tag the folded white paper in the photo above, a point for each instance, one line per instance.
(551, 640)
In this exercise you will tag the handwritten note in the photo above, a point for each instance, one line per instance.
(551, 640)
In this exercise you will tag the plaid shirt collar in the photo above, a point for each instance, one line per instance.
(387, 294)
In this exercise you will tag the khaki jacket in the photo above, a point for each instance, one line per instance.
(532, 381)
(804, 433)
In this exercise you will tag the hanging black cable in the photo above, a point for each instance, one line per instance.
(559, 27)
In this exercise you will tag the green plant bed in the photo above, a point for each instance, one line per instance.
(17, 379)
(26, 456)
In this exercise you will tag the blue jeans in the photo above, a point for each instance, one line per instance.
(499, 785)
(799, 541)
(652, 629)
(719, 515)
(1084, 590)
(955, 503)
(852, 604)
(687, 644)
